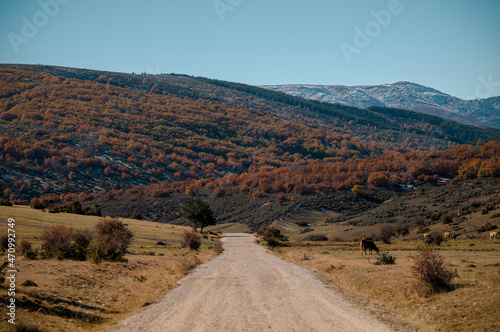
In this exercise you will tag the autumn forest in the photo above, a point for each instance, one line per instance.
(97, 137)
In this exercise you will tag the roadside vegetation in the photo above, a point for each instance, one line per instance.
(428, 288)
(60, 284)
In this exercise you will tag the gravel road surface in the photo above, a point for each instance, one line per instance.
(247, 289)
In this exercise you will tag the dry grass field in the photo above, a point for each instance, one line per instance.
(390, 290)
(75, 295)
(229, 228)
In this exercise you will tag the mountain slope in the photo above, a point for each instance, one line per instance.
(333, 118)
(405, 95)
(147, 143)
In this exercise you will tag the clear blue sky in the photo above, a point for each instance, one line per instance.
(445, 44)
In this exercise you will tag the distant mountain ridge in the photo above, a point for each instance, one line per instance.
(404, 95)
(148, 143)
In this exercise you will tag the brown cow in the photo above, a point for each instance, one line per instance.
(493, 235)
(448, 236)
(368, 245)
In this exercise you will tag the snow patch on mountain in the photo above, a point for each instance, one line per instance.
(404, 95)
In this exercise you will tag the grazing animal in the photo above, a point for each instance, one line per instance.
(493, 235)
(368, 245)
(428, 239)
(426, 235)
(367, 238)
(448, 236)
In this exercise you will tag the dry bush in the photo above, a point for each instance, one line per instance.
(57, 242)
(218, 248)
(4, 242)
(23, 327)
(402, 230)
(430, 272)
(280, 197)
(26, 251)
(192, 240)
(337, 239)
(386, 233)
(437, 238)
(81, 241)
(186, 264)
(272, 235)
(315, 237)
(110, 241)
(24, 246)
(447, 218)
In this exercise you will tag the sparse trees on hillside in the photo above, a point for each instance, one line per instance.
(199, 213)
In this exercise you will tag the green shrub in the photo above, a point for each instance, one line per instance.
(30, 254)
(486, 227)
(5, 203)
(141, 278)
(383, 258)
(137, 216)
(81, 241)
(26, 251)
(29, 283)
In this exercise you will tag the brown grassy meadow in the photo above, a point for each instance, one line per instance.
(75, 295)
(390, 290)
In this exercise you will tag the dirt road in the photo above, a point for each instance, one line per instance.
(247, 289)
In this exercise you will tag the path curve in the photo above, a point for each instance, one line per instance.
(247, 289)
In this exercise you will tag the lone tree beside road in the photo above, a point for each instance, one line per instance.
(199, 213)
